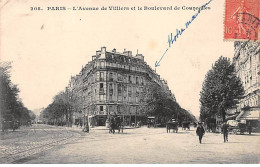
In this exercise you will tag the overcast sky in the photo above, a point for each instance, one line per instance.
(47, 47)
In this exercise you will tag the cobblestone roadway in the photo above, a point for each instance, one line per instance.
(28, 141)
(151, 145)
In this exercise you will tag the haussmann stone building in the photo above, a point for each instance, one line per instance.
(247, 64)
(112, 83)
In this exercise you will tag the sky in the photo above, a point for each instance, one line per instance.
(48, 47)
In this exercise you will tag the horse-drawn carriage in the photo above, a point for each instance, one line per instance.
(241, 128)
(151, 122)
(185, 125)
(10, 125)
(116, 123)
(210, 124)
(172, 124)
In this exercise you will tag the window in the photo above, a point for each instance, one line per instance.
(119, 90)
(110, 89)
(101, 85)
(137, 80)
(130, 79)
(101, 108)
(111, 76)
(119, 77)
(125, 88)
(129, 92)
(110, 110)
(125, 91)
(101, 77)
(101, 88)
(125, 78)
(102, 64)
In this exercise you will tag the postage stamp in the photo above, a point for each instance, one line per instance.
(241, 20)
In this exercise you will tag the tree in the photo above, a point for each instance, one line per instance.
(11, 106)
(221, 89)
(161, 104)
(60, 108)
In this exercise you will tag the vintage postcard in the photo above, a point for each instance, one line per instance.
(129, 82)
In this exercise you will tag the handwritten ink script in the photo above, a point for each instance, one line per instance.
(179, 32)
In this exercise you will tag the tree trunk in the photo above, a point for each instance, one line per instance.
(224, 115)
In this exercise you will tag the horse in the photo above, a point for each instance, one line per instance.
(150, 123)
(185, 125)
(14, 125)
(115, 123)
(5, 126)
(211, 124)
(172, 125)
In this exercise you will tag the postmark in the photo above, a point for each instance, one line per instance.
(241, 20)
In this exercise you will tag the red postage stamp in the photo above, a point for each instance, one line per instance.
(241, 20)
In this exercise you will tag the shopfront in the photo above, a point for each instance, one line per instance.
(251, 117)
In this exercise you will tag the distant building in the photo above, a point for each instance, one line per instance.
(247, 64)
(112, 83)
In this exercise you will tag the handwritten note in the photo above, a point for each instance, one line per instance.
(179, 32)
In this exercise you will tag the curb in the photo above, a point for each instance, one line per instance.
(108, 128)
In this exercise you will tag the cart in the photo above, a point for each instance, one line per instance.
(151, 121)
(172, 125)
(185, 124)
(240, 129)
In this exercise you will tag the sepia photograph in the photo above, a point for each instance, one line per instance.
(129, 82)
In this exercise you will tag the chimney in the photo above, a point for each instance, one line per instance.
(103, 50)
(102, 53)
(98, 53)
(128, 53)
(140, 56)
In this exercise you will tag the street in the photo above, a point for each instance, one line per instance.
(42, 144)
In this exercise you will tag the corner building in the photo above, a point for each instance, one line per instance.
(113, 83)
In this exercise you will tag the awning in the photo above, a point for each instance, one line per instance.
(250, 115)
(229, 117)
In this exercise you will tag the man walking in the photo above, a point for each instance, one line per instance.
(200, 132)
(225, 131)
(249, 128)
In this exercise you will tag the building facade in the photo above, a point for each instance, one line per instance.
(247, 64)
(113, 83)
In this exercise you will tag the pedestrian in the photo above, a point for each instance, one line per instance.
(225, 131)
(86, 128)
(249, 128)
(81, 124)
(200, 132)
